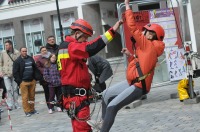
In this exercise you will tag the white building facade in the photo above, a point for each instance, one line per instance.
(25, 21)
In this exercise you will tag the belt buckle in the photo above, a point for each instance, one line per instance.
(137, 80)
(81, 91)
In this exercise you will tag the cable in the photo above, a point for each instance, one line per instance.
(108, 87)
(176, 22)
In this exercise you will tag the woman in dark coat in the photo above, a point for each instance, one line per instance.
(2, 86)
(42, 59)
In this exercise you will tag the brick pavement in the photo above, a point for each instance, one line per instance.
(158, 113)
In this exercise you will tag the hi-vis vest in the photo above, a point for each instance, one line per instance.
(62, 53)
(73, 71)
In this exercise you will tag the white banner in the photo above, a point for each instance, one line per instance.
(175, 62)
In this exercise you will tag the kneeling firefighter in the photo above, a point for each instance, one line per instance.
(72, 56)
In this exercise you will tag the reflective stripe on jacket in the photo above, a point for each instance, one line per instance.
(146, 50)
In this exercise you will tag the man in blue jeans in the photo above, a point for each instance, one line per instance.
(7, 57)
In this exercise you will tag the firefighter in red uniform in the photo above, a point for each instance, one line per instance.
(74, 73)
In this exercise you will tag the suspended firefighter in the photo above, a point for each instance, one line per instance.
(72, 56)
(149, 46)
(183, 87)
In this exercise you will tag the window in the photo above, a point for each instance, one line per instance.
(66, 21)
(34, 35)
(149, 6)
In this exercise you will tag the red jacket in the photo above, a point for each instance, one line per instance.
(147, 51)
(72, 59)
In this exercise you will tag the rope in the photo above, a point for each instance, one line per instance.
(108, 87)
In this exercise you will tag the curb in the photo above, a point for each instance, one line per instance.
(134, 104)
(39, 92)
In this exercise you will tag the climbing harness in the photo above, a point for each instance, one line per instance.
(73, 110)
(141, 77)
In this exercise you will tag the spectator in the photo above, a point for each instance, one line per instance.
(40, 62)
(2, 86)
(101, 69)
(51, 45)
(26, 73)
(52, 76)
(7, 57)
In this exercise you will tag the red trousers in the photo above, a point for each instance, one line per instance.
(84, 112)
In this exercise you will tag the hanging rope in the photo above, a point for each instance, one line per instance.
(119, 62)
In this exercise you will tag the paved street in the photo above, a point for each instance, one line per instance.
(158, 113)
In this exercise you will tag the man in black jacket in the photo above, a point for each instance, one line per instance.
(26, 73)
(51, 45)
(101, 69)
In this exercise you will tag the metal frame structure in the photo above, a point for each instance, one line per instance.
(119, 11)
(190, 47)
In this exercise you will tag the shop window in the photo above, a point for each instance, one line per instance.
(6, 33)
(1, 44)
(34, 41)
(34, 35)
(66, 21)
(66, 32)
(4, 39)
(149, 6)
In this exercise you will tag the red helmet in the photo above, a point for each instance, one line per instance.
(82, 25)
(156, 28)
